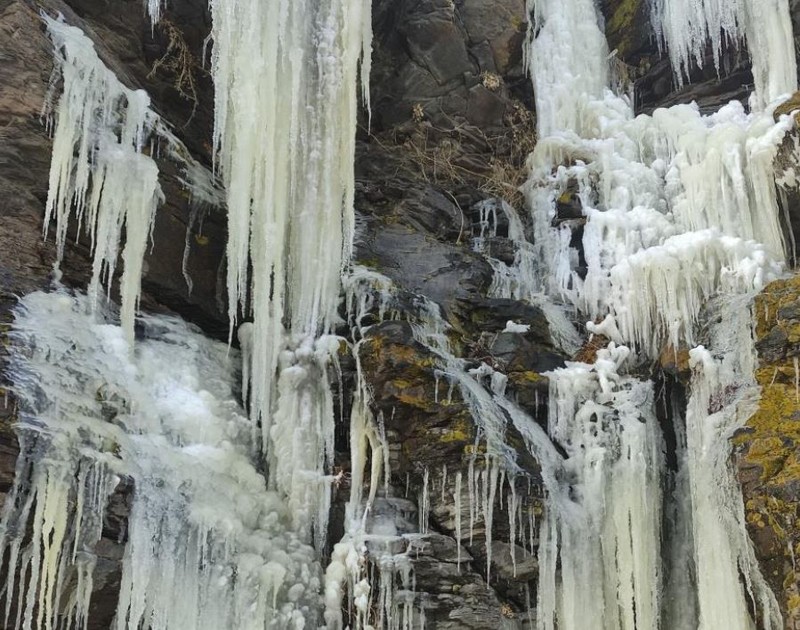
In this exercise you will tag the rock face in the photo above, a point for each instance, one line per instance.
(768, 448)
(451, 126)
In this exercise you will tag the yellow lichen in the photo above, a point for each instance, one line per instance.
(459, 431)
(770, 442)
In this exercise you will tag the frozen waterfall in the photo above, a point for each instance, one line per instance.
(681, 218)
(225, 457)
(286, 76)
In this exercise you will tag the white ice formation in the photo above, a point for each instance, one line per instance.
(680, 221)
(102, 169)
(211, 541)
(207, 544)
(286, 76)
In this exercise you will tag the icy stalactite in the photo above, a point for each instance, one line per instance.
(644, 180)
(100, 131)
(154, 10)
(288, 166)
(286, 78)
(288, 163)
(365, 290)
(689, 26)
(209, 546)
(99, 170)
(475, 497)
(657, 294)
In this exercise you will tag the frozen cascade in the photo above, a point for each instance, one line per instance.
(724, 395)
(680, 210)
(286, 76)
(681, 218)
(208, 545)
(605, 532)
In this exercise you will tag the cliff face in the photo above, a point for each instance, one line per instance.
(767, 448)
(452, 124)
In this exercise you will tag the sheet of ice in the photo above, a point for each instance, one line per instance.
(566, 77)
(724, 395)
(209, 545)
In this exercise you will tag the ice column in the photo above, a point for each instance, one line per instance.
(286, 77)
(603, 528)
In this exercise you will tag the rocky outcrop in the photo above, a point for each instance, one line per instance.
(768, 447)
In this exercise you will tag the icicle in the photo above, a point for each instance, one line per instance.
(512, 526)
(678, 209)
(796, 363)
(425, 503)
(287, 165)
(457, 501)
(688, 25)
(471, 481)
(490, 482)
(98, 166)
(364, 290)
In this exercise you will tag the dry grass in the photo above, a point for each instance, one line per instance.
(179, 63)
(444, 156)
